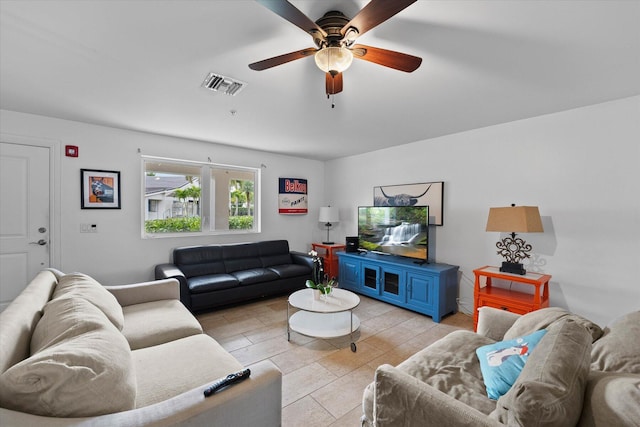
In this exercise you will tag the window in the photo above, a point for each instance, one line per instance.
(191, 197)
(153, 205)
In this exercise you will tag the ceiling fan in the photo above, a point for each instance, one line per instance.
(334, 36)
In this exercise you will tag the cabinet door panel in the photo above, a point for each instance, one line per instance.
(420, 291)
(349, 275)
(393, 284)
(370, 279)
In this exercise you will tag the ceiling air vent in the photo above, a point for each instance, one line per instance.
(223, 84)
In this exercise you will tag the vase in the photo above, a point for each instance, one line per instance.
(325, 293)
(316, 294)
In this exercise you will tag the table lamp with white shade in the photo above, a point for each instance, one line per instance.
(328, 216)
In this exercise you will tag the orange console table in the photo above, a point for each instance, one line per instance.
(328, 253)
(519, 302)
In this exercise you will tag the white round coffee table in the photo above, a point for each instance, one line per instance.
(327, 317)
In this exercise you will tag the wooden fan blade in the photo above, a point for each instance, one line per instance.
(388, 58)
(333, 83)
(375, 13)
(282, 59)
(289, 12)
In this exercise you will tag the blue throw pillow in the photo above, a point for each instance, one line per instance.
(502, 362)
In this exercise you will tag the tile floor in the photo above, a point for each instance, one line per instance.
(323, 379)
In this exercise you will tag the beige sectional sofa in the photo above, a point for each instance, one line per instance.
(579, 374)
(74, 352)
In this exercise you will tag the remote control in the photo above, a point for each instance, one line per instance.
(227, 381)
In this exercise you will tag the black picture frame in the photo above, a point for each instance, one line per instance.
(99, 189)
(425, 193)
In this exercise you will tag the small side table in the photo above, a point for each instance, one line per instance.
(328, 253)
(506, 299)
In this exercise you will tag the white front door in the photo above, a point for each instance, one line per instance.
(24, 216)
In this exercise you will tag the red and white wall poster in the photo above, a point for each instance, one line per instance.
(292, 196)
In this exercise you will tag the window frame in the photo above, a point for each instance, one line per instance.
(207, 195)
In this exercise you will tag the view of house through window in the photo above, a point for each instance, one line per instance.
(191, 197)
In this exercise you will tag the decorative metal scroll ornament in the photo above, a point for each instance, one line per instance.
(513, 248)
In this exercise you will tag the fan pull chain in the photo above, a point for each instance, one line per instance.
(333, 98)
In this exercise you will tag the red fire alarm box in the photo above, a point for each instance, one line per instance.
(71, 150)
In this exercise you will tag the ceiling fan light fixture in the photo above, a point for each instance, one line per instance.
(333, 59)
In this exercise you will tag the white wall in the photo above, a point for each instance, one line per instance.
(117, 254)
(581, 167)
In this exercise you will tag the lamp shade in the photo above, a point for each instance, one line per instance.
(328, 214)
(515, 219)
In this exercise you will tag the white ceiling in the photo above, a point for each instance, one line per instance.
(139, 65)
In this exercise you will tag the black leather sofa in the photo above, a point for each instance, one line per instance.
(217, 275)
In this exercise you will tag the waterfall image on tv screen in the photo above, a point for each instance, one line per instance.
(394, 230)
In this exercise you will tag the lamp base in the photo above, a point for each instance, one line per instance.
(513, 267)
(328, 243)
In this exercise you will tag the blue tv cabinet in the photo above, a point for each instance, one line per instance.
(430, 289)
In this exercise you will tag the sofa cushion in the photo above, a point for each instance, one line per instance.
(502, 362)
(272, 247)
(166, 370)
(158, 322)
(451, 366)
(619, 348)
(208, 268)
(274, 252)
(199, 260)
(254, 275)
(611, 399)
(242, 256)
(19, 319)
(286, 271)
(268, 261)
(543, 318)
(83, 286)
(551, 386)
(82, 368)
(66, 318)
(211, 282)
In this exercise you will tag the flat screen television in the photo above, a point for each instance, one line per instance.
(394, 230)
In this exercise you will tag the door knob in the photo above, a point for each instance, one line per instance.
(40, 242)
